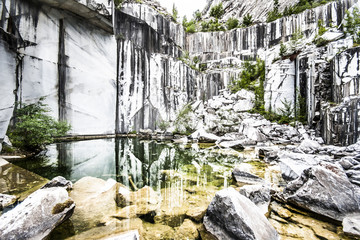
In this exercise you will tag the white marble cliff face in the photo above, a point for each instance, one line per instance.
(130, 77)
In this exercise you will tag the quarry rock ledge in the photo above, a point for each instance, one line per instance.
(99, 19)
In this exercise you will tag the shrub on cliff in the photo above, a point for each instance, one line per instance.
(352, 24)
(217, 11)
(232, 23)
(252, 78)
(34, 128)
(248, 20)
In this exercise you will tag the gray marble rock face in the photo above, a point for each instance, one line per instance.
(231, 215)
(326, 190)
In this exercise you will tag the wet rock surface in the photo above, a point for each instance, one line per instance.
(232, 216)
(6, 200)
(38, 215)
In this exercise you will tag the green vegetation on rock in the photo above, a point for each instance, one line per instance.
(33, 128)
(217, 11)
(232, 23)
(182, 121)
(248, 20)
(301, 6)
(352, 24)
(252, 78)
(175, 13)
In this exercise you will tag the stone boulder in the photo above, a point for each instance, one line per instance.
(231, 215)
(94, 204)
(309, 146)
(251, 132)
(187, 231)
(6, 200)
(351, 225)
(258, 194)
(196, 213)
(143, 202)
(242, 177)
(326, 190)
(38, 215)
(293, 164)
(202, 136)
(238, 144)
(59, 181)
(123, 197)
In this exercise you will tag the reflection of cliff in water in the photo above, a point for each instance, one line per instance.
(129, 160)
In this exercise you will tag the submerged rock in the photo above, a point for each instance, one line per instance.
(325, 190)
(230, 215)
(158, 231)
(187, 231)
(196, 213)
(38, 215)
(94, 206)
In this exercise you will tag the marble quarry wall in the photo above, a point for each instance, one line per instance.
(111, 71)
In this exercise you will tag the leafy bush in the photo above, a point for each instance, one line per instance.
(175, 13)
(182, 121)
(248, 20)
(295, 39)
(163, 125)
(217, 11)
(191, 28)
(352, 24)
(34, 128)
(252, 78)
(321, 28)
(283, 49)
(320, 42)
(286, 112)
(118, 3)
(197, 15)
(301, 6)
(232, 23)
(274, 14)
(212, 26)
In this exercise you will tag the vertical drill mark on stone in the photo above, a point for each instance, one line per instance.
(117, 130)
(62, 72)
(19, 78)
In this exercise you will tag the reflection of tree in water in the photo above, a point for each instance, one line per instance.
(42, 165)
